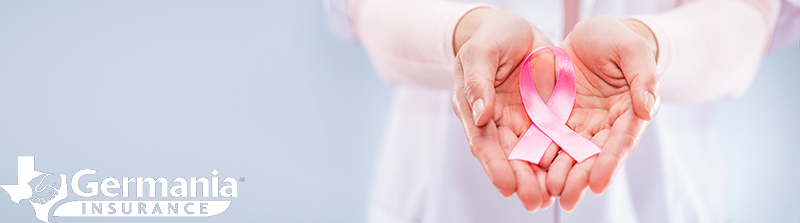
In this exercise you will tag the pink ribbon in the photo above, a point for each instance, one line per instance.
(549, 120)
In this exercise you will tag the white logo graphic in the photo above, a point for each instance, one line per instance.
(23, 190)
(50, 190)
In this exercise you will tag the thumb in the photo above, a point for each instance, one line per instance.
(479, 72)
(639, 68)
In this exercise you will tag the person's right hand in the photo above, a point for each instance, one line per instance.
(490, 47)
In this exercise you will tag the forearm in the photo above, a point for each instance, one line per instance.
(410, 42)
(710, 49)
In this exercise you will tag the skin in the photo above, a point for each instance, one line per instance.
(617, 95)
(486, 85)
(614, 64)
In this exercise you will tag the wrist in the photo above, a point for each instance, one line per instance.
(643, 31)
(468, 25)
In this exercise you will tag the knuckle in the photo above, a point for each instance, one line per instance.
(555, 185)
(615, 158)
(478, 149)
(474, 86)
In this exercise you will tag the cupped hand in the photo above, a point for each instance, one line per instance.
(617, 94)
(491, 45)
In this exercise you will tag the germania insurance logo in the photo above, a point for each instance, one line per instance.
(43, 190)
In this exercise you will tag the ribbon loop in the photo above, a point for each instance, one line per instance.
(549, 120)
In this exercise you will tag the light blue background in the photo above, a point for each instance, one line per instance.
(260, 90)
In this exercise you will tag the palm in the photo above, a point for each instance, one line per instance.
(510, 116)
(604, 113)
(601, 101)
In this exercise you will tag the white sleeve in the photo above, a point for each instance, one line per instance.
(410, 41)
(711, 49)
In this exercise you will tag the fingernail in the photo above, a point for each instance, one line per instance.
(477, 109)
(649, 103)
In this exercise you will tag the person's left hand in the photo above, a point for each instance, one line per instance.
(617, 94)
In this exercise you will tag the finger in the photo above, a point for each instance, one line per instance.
(479, 65)
(493, 159)
(557, 174)
(541, 177)
(508, 139)
(622, 141)
(639, 68)
(577, 180)
(527, 185)
(576, 185)
(484, 144)
(600, 138)
(549, 156)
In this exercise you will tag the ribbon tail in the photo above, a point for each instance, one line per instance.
(575, 145)
(531, 147)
